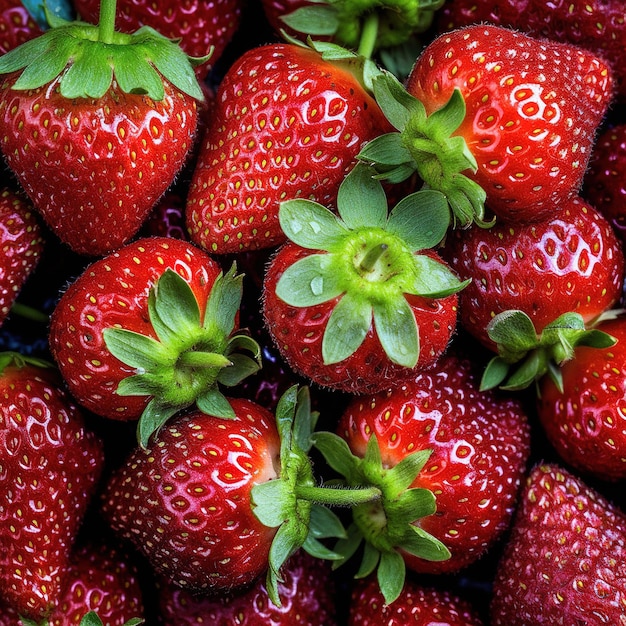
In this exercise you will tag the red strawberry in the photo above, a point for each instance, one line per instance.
(494, 112)
(596, 25)
(570, 263)
(448, 460)
(17, 25)
(205, 502)
(287, 123)
(203, 27)
(565, 560)
(584, 420)
(95, 148)
(100, 579)
(50, 464)
(149, 330)
(359, 302)
(306, 592)
(605, 186)
(417, 605)
(21, 245)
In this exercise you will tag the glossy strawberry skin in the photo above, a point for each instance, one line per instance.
(50, 468)
(306, 595)
(114, 291)
(605, 186)
(21, 245)
(585, 422)
(285, 125)
(532, 111)
(417, 605)
(570, 262)
(597, 25)
(199, 24)
(479, 442)
(297, 333)
(185, 502)
(16, 25)
(95, 168)
(564, 560)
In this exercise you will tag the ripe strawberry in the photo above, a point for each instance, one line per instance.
(21, 245)
(597, 25)
(565, 560)
(306, 591)
(448, 459)
(359, 302)
(50, 464)
(149, 330)
(95, 147)
(584, 420)
(17, 25)
(288, 123)
(203, 27)
(605, 186)
(100, 579)
(495, 116)
(569, 263)
(417, 605)
(215, 503)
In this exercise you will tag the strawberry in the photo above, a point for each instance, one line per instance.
(584, 419)
(215, 503)
(98, 133)
(306, 591)
(448, 459)
(149, 330)
(564, 562)
(21, 245)
(100, 579)
(17, 25)
(417, 605)
(204, 28)
(359, 302)
(491, 115)
(597, 25)
(525, 277)
(287, 123)
(50, 465)
(604, 185)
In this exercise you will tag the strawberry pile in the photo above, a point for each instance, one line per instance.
(311, 313)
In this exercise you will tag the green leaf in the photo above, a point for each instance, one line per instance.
(285, 413)
(391, 574)
(397, 331)
(310, 225)
(213, 402)
(398, 105)
(50, 57)
(387, 150)
(175, 304)
(433, 279)
(319, 550)
(271, 502)
(444, 121)
(371, 558)
(84, 78)
(304, 421)
(324, 523)
(514, 329)
(152, 419)
(242, 367)
(317, 20)
(346, 329)
(402, 475)
(224, 302)
(309, 281)
(361, 199)
(421, 219)
(337, 454)
(424, 545)
(135, 350)
(284, 544)
(496, 371)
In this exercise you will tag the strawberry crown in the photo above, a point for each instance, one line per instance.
(191, 355)
(525, 356)
(386, 526)
(87, 59)
(89, 619)
(371, 260)
(426, 144)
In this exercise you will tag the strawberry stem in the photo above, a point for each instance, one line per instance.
(368, 262)
(369, 35)
(350, 497)
(106, 23)
(194, 358)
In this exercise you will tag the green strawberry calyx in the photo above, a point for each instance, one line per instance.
(87, 58)
(388, 526)
(89, 619)
(426, 144)
(364, 25)
(295, 502)
(190, 356)
(525, 356)
(370, 260)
